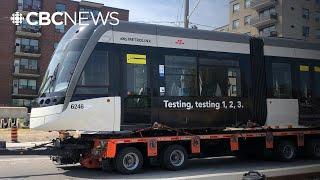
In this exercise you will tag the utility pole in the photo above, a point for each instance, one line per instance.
(186, 13)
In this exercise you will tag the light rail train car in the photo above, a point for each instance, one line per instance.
(127, 77)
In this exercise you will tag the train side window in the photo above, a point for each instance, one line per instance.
(181, 76)
(281, 80)
(305, 81)
(137, 79)
(95, 76)
(317, 81)
(137, 88)
(219, 77)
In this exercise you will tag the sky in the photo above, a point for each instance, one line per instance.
(209, 14)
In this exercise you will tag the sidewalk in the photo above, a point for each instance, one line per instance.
(24, 145)
(28, 135)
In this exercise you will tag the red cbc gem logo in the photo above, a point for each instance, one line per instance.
(179, 42)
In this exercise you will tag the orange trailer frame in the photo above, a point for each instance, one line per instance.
(107, 148)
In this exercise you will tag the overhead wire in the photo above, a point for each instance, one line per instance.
(179, 14)
(194, 9)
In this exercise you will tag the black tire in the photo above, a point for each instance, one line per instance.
(286, 151)
(174, 158)
(123, 161)
(313, 148)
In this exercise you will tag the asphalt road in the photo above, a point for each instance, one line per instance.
(40, 167)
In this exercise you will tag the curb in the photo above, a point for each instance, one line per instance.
(6, 152)
(21, 150)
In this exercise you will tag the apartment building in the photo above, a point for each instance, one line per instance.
(295, 19)
(25, 51)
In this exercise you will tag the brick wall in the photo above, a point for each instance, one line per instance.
(46, 42)
(7, 46)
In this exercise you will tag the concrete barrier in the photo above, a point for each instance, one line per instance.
(13, 112)
(13, 117)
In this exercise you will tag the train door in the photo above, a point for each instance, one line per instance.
(136, 101)
(305, 93)
(316, 93)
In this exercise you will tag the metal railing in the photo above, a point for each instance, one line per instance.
(264, 20)
(259, 4)
(29, 49)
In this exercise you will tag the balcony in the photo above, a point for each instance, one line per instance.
(33, 32)
(24, 9)
(27, 51)
(263, 21)
(270, 34)
(262, 4)
(25, 93)
(21, 72)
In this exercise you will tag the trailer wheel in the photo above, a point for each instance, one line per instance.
(286, 151)
(313, 148)
(174, 158)
(129, 161)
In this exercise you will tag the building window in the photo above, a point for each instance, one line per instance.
(235, 24)
(267, 13)
(247, 20)
(27, 84)
(317, 16)
(29, 5)
(27, 45)
(30, 64)
(60, 7)
(247, 4)
(29, 28)
(17, 102)
(32, 84)
(23, 84)
(21, 102)
(305, 31)
(24, 64)
(36, 4)
(219, 77)
(281, 80)
(181, 75)
(305, 13)
(60, 28)
(268, 31)
(236, 8)
(33, 64)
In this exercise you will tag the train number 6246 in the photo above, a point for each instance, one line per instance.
(77, 106)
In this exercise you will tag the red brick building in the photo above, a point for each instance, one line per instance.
(25, 50)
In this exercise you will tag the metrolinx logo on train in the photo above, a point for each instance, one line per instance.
(45, 18)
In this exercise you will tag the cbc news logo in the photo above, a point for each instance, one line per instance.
(17, 18)
(81, 18)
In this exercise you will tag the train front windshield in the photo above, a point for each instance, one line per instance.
(64, 60)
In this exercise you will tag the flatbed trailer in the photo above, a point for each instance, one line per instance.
(129, 152)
